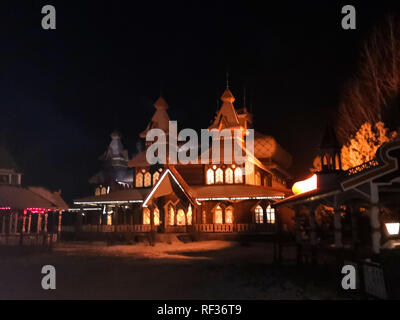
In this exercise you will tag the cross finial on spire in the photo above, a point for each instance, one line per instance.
(227, 80)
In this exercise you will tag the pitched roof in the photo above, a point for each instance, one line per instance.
(21, 198)
(227, 116)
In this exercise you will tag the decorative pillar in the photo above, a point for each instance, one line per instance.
(29, 222)
(45, 222)
(375, 228)
(10, 222)
(23, 223)
(338, 227)
(39, 223)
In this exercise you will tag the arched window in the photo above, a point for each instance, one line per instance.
(218, 215)
(258, 179)
(337, 162)
(103, 190)
(259, 212)
(219, 176)
(139, 180)
(97, 192)
(156, 214)
(229, 176)
(229, 215)
(180, 218)
(210, 176)
(156, 176)
(171, 216)
(189, 216)
(147, 179)
(238, 175)
(146, 216)
(270, 214)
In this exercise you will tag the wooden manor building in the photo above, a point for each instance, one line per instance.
(136, 196)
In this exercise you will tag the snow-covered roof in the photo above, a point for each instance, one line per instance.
(33, 197)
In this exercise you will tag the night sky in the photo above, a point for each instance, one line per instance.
(62, 92)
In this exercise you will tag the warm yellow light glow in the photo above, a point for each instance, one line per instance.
(109, 220)
(210, 176)
(229, 215)
(171, 217)
(218, 215)
(189, 216)
(180, 218)
(393, 228)
(146, 216)
(305, 185)
(219, 176)
(229, 176)
(156, 217)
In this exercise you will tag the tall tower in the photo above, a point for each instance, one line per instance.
(330, 151)
(160, 119)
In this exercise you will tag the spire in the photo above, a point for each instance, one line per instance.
(160, 119)
(161, 104)
(329, 139)
(330, 150)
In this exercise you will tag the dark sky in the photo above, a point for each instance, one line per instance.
(63, 92)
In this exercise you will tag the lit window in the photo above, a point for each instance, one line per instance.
(229, 215)
(219, 176)
(139, 180)
(147, 179)
(156, 217)
(258, 179)
(259, 214)
(180, 218)
(109, 219)
(218, 215)
(229, 175)
(156, 176)
(97, 192)
(103, 190)
(146, 216)
(270, 214)
(189, 216)
(171, 216)
(238, 175)
(210, 176)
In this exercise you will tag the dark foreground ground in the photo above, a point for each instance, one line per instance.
(197, 270)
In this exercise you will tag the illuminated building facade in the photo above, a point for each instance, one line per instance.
(223, 197)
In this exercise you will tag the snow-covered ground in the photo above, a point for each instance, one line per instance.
(196, 270)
